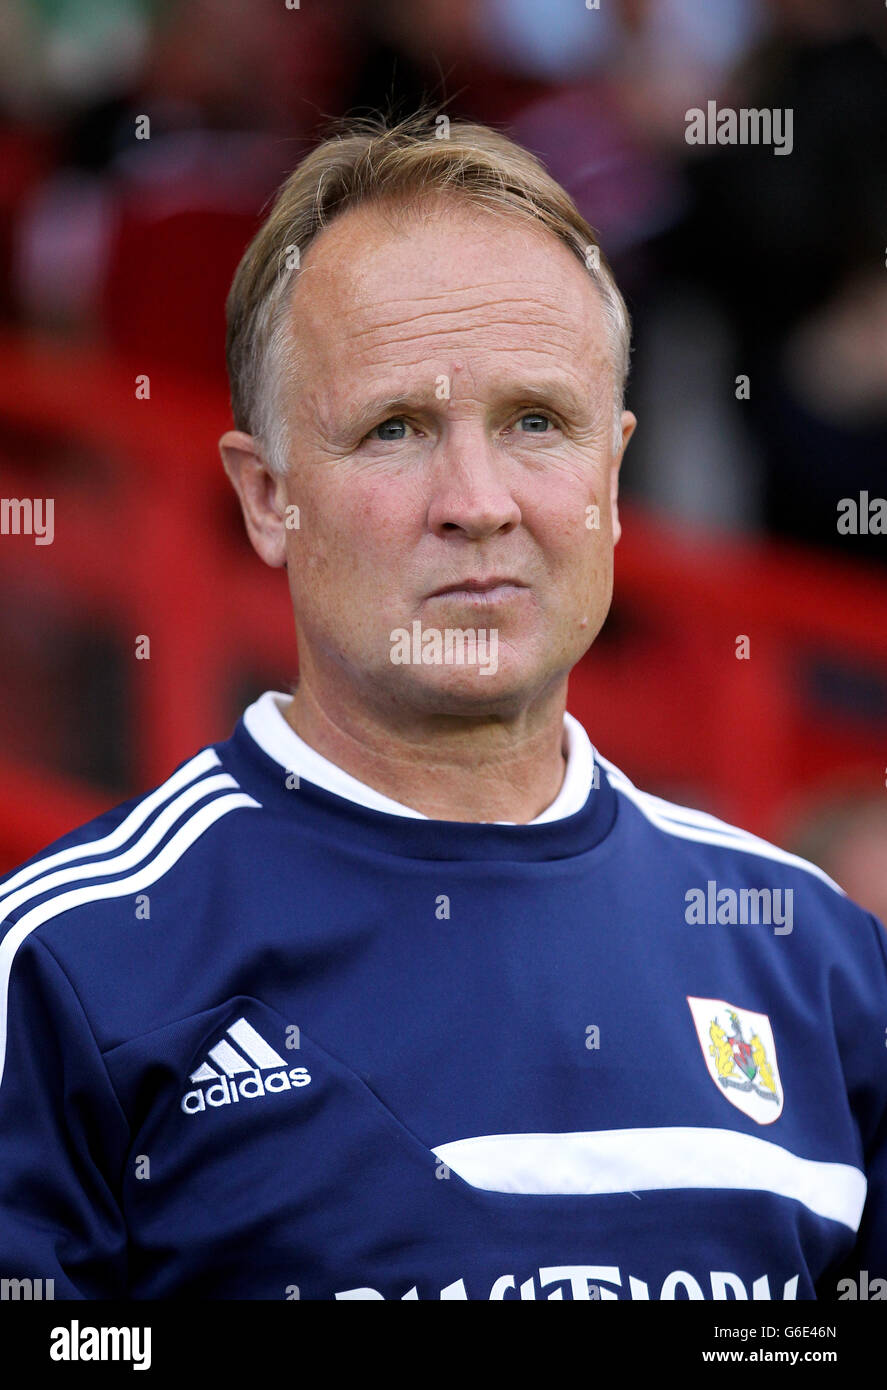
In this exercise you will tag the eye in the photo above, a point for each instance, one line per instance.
(537, 419)
(394, 422)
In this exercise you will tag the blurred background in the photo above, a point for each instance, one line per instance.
(743, 669)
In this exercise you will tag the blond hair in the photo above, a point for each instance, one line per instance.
(368, 161)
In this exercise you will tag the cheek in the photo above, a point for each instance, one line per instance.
(572, 523)
(383, 524)
(577, 544)
(353, 550)
(572, 484)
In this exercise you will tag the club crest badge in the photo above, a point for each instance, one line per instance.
(740, 1054)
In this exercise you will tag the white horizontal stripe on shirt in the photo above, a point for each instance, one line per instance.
(645, 1160)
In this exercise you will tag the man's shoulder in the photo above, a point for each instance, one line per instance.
(679, 825)
(726, 875)
(126, 849)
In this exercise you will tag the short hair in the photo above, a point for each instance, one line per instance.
(369, 161)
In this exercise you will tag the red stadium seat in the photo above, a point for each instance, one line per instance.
(192, 253)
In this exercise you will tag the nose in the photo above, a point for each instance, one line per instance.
(471, 488)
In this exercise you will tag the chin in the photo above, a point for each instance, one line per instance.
(465, 690)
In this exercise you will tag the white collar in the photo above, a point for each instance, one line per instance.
(268, 726)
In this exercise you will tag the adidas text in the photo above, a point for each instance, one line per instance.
(225, 1092)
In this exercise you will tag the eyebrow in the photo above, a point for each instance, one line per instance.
(559, 391)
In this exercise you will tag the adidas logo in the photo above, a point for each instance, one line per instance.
(225, 1088)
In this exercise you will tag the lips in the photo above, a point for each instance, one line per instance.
(478, 586)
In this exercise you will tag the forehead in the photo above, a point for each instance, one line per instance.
(383, 288)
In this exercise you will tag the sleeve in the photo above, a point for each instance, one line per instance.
(870, 1254)
(63, 1137)
(867, 1261)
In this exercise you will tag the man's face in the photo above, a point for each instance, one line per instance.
(451, 420)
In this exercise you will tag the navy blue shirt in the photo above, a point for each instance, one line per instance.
(261, 1041)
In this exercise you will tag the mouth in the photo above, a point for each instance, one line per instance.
(482, 592)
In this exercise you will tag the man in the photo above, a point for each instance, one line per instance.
(404, 991)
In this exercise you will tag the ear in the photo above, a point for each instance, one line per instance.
(628, 426)
(262, 495)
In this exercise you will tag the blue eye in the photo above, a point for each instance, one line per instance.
(534, 416)
(395, 421)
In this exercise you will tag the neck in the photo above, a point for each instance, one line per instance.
(446, 767)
